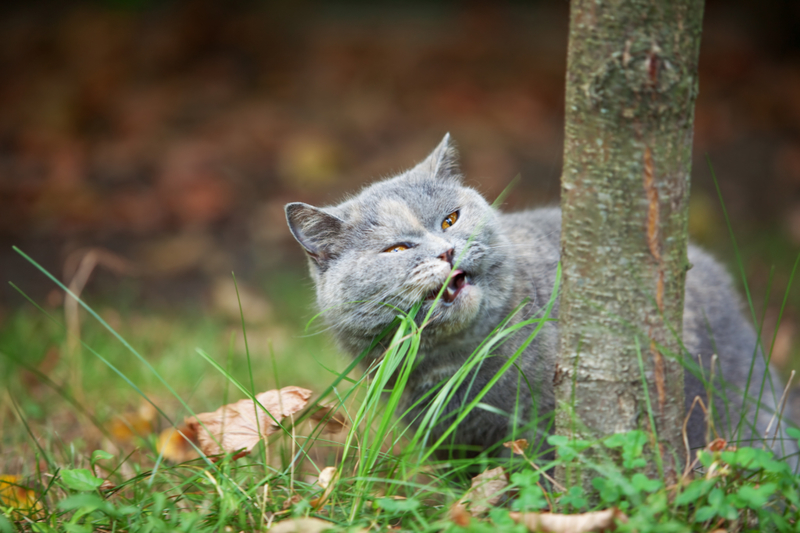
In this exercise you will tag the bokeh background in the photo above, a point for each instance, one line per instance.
(165, 137)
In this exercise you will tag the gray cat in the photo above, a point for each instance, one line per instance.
(397, 242)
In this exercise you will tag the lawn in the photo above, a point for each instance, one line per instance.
(86, 446)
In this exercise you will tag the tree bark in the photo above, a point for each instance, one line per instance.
(630, 94)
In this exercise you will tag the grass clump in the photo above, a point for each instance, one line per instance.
(385, 474)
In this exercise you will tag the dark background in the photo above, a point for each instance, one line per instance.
(169, 135)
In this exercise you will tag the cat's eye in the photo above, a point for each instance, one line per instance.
(449, 220)
(396, 248)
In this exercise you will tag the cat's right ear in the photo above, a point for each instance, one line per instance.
(315, 230)
(443, 161)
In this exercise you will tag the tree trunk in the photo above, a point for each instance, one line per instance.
(631, 88)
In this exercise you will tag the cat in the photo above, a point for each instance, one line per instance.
(397, 242)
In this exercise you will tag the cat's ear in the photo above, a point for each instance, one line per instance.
(443, 161)
(315, 230)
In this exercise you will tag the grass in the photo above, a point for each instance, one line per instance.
(80, 453)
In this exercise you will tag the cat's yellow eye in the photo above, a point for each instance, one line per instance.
(396, 248)
(450, 220)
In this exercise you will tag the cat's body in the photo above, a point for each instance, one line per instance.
(396, 243)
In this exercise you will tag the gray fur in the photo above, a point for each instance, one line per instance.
(513, 257)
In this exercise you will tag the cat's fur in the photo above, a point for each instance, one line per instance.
(512, 257)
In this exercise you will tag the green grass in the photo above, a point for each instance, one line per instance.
(57, 441)
(84, 460)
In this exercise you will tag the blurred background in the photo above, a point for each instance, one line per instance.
(162, 138)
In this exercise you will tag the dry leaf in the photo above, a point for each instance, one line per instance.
(717, 445)
(334, 422)
(293, 499)
(301, 525)
(459, 514)
(326, 476)
(326, 481)
(176, 444)
(573, 523)
(239, 426)
(13, 494)
(486, 490)
(140, 423)
(518, 446)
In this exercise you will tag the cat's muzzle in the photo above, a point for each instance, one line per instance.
(455, 283)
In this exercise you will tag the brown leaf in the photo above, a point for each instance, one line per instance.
(129, 425)
(575, 523)
(486, 490)
(175, 444)
(326, 476)
(334, 422)
(239, 426)
(717, 445)
(17, 496)
(301, 525)
(293, 499)
(459, 514)
(518, 446)
(326, 481)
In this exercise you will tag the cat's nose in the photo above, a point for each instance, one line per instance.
(448, 256)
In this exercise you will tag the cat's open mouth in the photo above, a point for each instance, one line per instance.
(457, 281)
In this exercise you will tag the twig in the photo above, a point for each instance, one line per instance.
(690, 464)
(78, 267)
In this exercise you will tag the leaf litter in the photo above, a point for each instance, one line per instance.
(605, 520)
(488, 490)
(238, 427)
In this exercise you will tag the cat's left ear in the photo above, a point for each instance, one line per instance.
(443, 161)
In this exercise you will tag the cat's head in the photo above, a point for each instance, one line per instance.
(399, 242)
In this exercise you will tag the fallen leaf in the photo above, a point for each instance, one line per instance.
(240, 426)
(176, 444)
(486, 490)
(459, 514)
(291, 501)
(574, 523)
(326, 481)
(717, 445)
(301, 525)
(334, 422)
(17, 496)
(518, 446)
(129, 425)
(326, 476)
